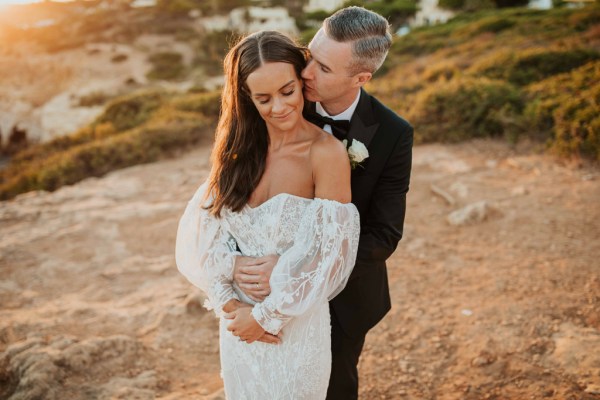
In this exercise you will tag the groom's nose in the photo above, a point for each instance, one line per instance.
(307, 72)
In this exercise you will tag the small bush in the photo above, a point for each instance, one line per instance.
(535, 67)
(492, 24)
(177, 7)
(208, 104)
(530, 66)
(586, 18)
(577, 126)
(166, 66)
(452, 4)
(118, 58)
(99, 157)
(131, 111)
(445, 70)
(211, 50)
(564, 110)
(466, 107)
(396, 11)
(93, 99)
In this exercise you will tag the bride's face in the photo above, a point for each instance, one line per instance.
(277, 94)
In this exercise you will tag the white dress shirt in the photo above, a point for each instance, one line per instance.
(346, 114)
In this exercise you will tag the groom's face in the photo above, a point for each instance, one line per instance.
(326, 76)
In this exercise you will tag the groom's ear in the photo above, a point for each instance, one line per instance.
(361, 78)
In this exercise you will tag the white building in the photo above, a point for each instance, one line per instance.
(430, 14)
(327, 5)
(252, 19)
(143, 3)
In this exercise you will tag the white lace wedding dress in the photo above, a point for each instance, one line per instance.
(316, 240)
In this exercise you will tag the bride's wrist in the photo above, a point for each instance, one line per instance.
(231, 305)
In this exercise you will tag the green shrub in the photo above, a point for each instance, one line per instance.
(577, 126)
(452, 4)
(208, 104)
(177, 7)
(166, 66)
(395, 10)
(131, 111)
(211, 50)
(318, 15)
(492, 24)
(445, 70)
(307, 35)
(466, 107)
(564, 110)
(99, 157)
(118, 58)
(525, 67)
(477, 5)
(585, 18)
(535, 67)
(93, 99)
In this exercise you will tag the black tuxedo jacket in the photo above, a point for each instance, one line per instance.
(379, 192)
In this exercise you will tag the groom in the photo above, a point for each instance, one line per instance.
(351, 45)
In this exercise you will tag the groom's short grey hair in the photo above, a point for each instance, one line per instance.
(369, 33)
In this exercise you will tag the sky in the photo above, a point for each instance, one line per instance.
(7, 2)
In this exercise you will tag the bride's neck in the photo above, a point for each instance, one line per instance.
(280, 138)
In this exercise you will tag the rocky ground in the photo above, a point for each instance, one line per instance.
(498, 301)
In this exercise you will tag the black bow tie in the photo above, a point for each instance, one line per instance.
(339, 127)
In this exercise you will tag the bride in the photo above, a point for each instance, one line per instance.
(278, 185)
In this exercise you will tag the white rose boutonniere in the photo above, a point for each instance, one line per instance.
(357, 152)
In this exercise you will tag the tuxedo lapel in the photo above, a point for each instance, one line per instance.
(363, 125)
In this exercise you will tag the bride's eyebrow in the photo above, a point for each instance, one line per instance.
(281, 88)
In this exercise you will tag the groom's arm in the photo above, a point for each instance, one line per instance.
(382, 227)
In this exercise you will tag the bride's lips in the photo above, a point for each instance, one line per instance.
(283, 116)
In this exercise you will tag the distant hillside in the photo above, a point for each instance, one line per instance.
(512, 73)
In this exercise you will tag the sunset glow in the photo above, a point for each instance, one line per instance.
(10, 2)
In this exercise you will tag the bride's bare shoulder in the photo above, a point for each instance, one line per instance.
(328, 153)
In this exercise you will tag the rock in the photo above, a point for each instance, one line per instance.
(38, 368)
(460, 189)
(519, 191)
(491, 164)
(593, 389)
(475, 212)
(483, 359)
(443, 194)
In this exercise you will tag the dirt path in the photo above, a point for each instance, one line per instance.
(506, 307)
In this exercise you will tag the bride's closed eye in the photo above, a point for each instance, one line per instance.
(291, 92)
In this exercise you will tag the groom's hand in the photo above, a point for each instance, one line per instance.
(252, 275)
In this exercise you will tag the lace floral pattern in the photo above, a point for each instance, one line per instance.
(316, 240)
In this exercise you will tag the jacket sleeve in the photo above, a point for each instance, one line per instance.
(383, 225)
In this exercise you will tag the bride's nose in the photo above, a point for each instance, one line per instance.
(278, 105)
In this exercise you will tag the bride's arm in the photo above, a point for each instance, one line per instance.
(331, 170)
(205, 253)
(331, 175)
(317, 266)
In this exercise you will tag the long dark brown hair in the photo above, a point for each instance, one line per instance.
(241, 143)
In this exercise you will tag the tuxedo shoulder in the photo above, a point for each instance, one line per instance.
(390, 119)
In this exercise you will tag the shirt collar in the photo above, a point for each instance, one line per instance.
(346, 114)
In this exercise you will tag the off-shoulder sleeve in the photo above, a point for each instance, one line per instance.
(205, 252)
(316, 267)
